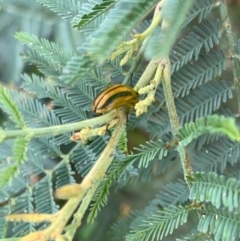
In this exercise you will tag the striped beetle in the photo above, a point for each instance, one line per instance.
(114, 97)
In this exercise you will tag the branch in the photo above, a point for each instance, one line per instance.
(91, 181)
(57, 129)
(187, 169)
(230, 44)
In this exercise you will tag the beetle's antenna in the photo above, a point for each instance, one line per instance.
(131, 79)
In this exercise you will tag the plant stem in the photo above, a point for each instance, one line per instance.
(230, 44)
(157, 17)
(92, 180)
(147, 74)
(71, 229)
(169, 95)
(58, 129)
(166, 66)
(135, 64)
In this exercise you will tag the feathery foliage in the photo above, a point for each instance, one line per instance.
(174, 19)
(49, 51)
(118, 16)
(90, 11)
(172, 194)
(158, 224)
(66, 9)
(188, 48)
(221, 223)
(23, 204)
(45, 204)
(8, 105)
(145, 154)
(212, 124)
(216, 189)
(19, 156)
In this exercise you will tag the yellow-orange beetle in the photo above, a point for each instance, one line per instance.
(114, 97)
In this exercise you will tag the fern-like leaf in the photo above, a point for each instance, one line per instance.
(207, 67)
(237, 49)
(113, 67)
(158, 225)
(67, 9)
(64, 175)
(154, 168)
(23, 204)
(37, 115)
(84, 157)
(204, 35)
(211, 124)
(76, 68)
(4, 211)
(172, 194)
(45, 66)
(45, 147)
(125, 18)
(200, 8)
(19, 150)
(149, 151)
(50, 51)
(17, 185)
(146, 154)
(175, 193)
(90, 11)
(121, 227)
(122, 144)
(221, 223)
(203, 101)
(193, 235)
(45, 88)
(220, 151)
(100, 198)
(9, 106)
(6, 148)
(174, 13)
(19, 156)
(220, 191)
(44, 196)
(34, 166)
(7, 174)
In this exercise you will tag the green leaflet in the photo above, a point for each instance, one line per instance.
(166, 37)
(90, 11)
(158, 224)
(19, 157)
(213, 124)
(220, 223)
(50, 51)
(125, 15)
(217, 189)
(8, 105)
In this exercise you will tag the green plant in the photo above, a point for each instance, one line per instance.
(181, 94)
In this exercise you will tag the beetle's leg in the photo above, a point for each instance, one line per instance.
(107, 126)
(128, 110)
(117, 114)
(112, 123)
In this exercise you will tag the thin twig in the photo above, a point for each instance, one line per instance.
(166, 80)
(90, 181)
(58, 129)
(226, 24)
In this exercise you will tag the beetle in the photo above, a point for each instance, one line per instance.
(114, 97)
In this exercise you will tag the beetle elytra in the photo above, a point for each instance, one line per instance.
(114, 97)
